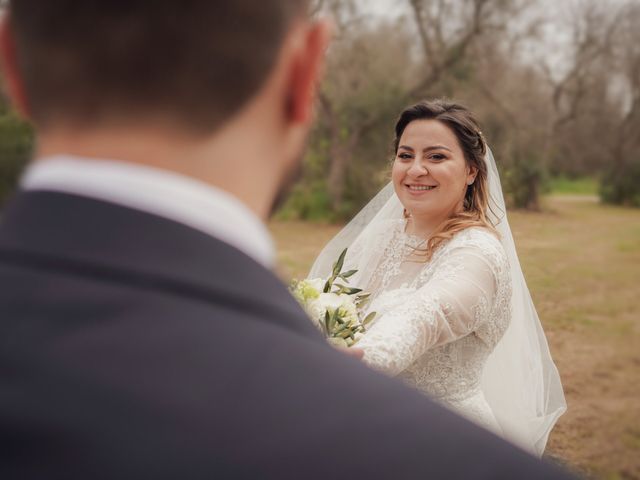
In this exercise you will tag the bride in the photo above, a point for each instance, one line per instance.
(454, 316)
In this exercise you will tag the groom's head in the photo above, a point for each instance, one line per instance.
(104, 60)
(190, 67)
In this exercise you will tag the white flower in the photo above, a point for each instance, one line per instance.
(308, 289)
(330, 301)
(348, 310)
(318, 306)
(345, 325)
(315, 310)
(316, 283)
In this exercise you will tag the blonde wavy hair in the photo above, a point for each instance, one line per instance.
(476, 200)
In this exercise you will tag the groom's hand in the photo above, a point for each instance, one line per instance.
(354, 352)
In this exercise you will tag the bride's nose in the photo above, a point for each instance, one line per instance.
(417, 169)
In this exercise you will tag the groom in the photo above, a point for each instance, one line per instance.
(142, 331)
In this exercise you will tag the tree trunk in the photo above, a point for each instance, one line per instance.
(337, 175)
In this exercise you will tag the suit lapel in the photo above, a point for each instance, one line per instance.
(82, 236)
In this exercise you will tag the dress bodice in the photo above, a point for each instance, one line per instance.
(437, 321)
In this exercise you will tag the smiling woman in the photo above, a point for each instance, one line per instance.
(439, 173)
(429, 177)
(454, 315)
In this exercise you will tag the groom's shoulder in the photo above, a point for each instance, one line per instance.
(299, 400)
(168, 373)
(166, 385)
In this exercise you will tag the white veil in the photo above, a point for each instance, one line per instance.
(520, 381)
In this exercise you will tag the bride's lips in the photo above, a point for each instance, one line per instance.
(417, 189)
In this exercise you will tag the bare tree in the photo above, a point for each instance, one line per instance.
(627, 56)
(445, 38)
(543, 97)
(447, 31)
(593, 26)
(367, 81)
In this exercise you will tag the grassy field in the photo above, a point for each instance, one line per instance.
(582, 263)
(573, 186)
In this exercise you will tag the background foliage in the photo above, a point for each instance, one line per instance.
(556, 90)
(556, 86)
(16, 144)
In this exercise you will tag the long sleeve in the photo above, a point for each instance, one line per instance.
(451, 304)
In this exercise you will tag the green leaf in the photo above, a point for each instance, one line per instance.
(336, 319)
(362, 300)
(340, 328)
(327, 286)
(368, 319)
(337, 267)
(348, 274)
(331, 323)
(347, 290)
(345, 334)
(327, 320)
(339, 288)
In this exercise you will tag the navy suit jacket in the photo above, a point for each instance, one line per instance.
(132, 346)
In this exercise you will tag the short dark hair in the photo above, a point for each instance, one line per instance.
(197, 61)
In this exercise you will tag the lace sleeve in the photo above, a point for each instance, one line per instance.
(452, 304)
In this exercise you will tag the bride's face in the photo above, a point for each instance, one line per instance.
(430, 174)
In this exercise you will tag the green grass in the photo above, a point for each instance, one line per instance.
(573, 186)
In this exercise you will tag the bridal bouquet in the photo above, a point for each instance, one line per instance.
(334, 307)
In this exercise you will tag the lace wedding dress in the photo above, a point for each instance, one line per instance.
(437, 322)
(462, 327)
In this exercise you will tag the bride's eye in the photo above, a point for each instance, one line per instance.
(438, 157)
(405, 156)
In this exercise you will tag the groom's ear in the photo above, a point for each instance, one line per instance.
(13, 84)
(306, 69)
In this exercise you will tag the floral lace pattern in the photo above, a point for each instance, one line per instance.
(438, 321)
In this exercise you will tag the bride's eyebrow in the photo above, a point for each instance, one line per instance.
(427, 149)
(436, 147)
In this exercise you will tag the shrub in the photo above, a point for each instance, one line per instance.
(621, 185)
(16, 144)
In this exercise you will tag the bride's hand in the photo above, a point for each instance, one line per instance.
(354, 352)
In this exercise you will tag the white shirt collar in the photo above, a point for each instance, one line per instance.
(159, 192)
